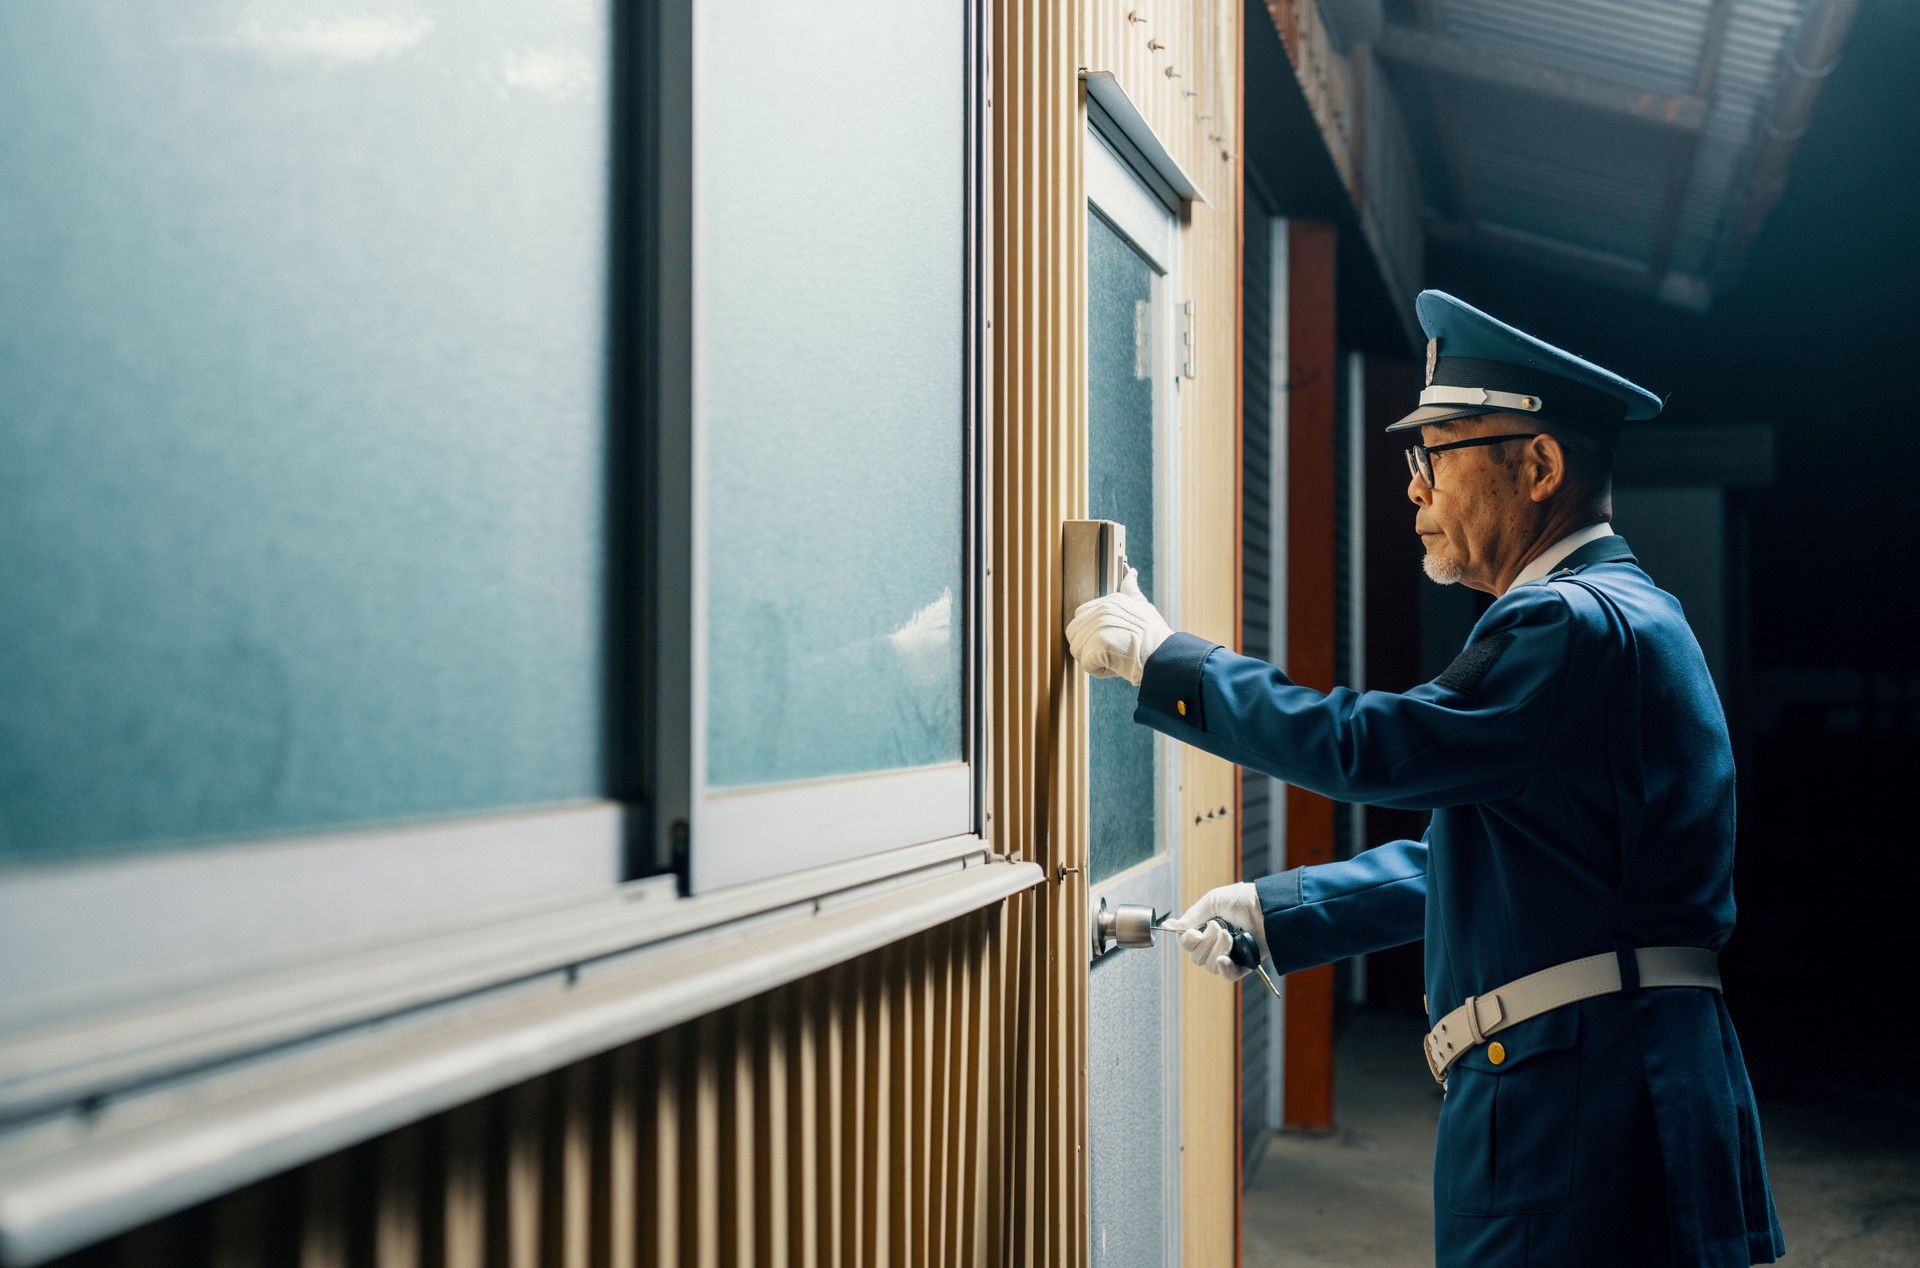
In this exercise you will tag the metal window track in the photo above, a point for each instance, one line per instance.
(119, 1119)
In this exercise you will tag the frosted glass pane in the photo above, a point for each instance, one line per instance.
(1127, 1020)
(301, 421)
(830, 230)
(1120, 370)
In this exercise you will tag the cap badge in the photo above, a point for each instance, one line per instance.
(1433, 356)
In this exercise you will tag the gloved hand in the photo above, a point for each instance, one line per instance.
(1207, 944)
(1113, 635)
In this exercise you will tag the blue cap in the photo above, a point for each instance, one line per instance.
(1477, 364)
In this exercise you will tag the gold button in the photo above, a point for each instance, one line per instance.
(1496, 1053)
(1182, 706)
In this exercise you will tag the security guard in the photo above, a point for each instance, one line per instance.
(1575, 881)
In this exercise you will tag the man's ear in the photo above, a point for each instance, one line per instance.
(1546, 460)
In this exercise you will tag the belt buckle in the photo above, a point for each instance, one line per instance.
(1439, 1071)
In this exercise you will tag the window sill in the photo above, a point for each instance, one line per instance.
(110, 1121)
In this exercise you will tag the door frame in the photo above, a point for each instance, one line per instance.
(1122, 189)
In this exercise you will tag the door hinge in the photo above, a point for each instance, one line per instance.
(1189, 360)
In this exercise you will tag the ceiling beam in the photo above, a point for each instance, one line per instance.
(1456, 59)
(1542, 252)
(1440, 97)
(1681, 173)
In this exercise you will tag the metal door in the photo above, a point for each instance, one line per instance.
(1132, 996)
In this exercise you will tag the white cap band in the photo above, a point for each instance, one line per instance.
(1479, 396)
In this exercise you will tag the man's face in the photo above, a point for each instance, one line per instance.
(1466, 520)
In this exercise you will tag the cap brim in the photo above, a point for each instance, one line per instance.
(1439, 414)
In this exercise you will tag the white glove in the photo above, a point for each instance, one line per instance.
(1207, 944)
(1113, 635)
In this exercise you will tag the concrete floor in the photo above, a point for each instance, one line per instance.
(1843, 1154)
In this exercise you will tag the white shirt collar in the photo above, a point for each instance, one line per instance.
(1549, 559)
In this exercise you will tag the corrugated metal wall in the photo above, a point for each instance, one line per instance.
(1257, 804)
(853, 1118)
(1038, 737)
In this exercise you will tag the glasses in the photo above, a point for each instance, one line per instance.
(1420, 457)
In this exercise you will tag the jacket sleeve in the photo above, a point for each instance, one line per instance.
(1474, 734)
(1374, 900)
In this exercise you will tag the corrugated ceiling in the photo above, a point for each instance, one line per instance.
(1606, 137)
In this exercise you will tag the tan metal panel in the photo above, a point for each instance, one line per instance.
(738, 1146)
(661, 1097)
(704, 1228)
(526, 1110)
(906, 1176)
(769, 1145)
(802, 1072)
(621, 1191)
(857, 1118)
(1037, 428)
(463, 1202)
(935, 1050)
(1194, 109)
(833, 1103)
(572, 1207)
(396, 1220)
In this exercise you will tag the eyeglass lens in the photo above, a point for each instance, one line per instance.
(1420, 465)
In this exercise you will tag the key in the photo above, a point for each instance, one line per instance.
(1241, 950)
(1245, 952)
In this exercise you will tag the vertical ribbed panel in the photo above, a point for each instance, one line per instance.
(1038, 706)
(1257, 576)
(847, 1119)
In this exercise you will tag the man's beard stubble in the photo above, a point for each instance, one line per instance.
(1442, 570)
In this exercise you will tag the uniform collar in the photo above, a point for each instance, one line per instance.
(1607, 550)
(1550, 558)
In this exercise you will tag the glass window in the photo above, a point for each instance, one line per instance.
(1121, 367)
(1132, 398)
(830, 415)
(301, 467)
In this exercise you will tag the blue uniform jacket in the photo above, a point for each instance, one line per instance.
(1576, 761)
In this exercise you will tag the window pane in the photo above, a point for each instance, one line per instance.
(1120, 370)
(831, 240)
(301, 424)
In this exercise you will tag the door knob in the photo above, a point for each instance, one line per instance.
(1127, 925)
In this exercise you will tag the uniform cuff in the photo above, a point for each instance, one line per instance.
(1170, 681)
(1278, 892)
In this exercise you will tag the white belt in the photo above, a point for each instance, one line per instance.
(1468, 1026)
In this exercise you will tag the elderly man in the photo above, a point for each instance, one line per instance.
(1575, 881)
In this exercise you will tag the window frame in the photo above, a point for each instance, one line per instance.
(713, 839)
(1121, 188)
(313, 892)
(85, 930)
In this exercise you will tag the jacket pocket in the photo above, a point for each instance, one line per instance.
(1507, 1130)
